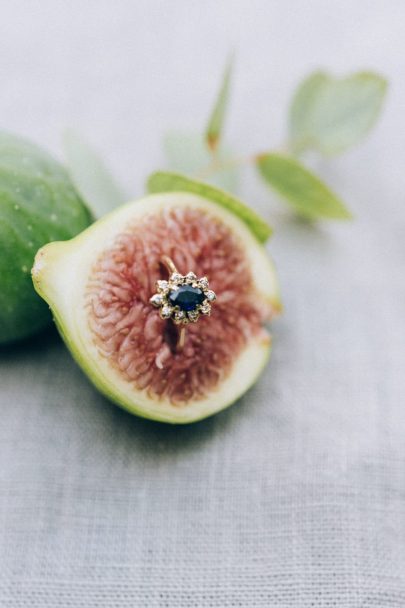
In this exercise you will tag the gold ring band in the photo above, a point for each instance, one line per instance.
(169, 264)
(172, 269)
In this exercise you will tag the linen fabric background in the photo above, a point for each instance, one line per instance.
(295, 496)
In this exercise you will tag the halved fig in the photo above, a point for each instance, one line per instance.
(99, 286)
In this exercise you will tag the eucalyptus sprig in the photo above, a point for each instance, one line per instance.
(327, 116)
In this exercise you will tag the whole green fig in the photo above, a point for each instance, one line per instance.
(38, 204)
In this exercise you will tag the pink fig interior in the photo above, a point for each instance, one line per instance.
(128, 330)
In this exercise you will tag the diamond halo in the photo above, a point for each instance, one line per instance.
(183, 298)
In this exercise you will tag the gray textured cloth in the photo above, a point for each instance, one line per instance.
(294, 497)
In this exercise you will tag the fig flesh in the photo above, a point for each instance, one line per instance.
(99, 286)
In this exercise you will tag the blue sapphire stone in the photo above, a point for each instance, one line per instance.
(186, 297)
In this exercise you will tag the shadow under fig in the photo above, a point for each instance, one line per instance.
(27, 348)
(113, 424)
(151, 436)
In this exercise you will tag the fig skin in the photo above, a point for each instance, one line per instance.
(38, 204)
(63, 272)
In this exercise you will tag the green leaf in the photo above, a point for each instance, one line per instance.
(330, 115)
(187, 153)
(302, 107)
(307, 194)
(91, 176)
(215, 123)
(172, 182)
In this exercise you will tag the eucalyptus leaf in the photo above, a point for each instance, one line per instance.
(306, 193)
(302, 108)
(330, 114)
(216, 120)
(187, 153)
(90, 175)
(162, 181)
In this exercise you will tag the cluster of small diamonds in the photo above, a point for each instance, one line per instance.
(165, 288)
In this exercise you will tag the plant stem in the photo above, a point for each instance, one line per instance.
(217, 165)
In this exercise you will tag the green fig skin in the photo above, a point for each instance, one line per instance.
(38, 204)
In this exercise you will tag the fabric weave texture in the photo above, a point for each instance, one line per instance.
(295, 496)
